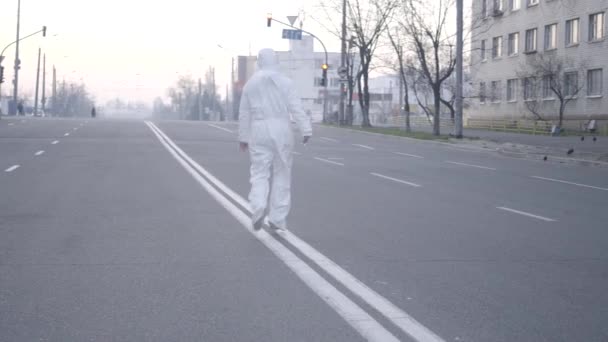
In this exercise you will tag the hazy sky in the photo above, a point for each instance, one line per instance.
(108, 43)
(135, 49)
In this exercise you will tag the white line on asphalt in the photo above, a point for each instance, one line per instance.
(571, 183)
(218, 127)
(65, 135)
(471, 165)
(408, 155)
(399, 317)
(296, 153)
(39, 153)
(75, 128)
(328, 139)
(354, 315)
(396, 180)
(526, 214)
(335, 158)
(55, 142)
(329, 161)
(364, 146)
(12, 168)
(11, 124)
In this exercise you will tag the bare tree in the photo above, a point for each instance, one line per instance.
(398, 41)
(425, 26)
(557, 76)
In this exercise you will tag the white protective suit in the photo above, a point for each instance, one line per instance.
(267, 101)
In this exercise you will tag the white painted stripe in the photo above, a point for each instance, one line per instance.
(55, 142)
(329, 161)
(297, 153)
(335, 158)
(11, 124)
(328, 139)
(471, 165)
(67, 134)
(396, 180)
(571, 183)
(218, 127)
(354, 315)
(399, 317)
(364, 146)
(75, 128)
(408, 155)
(12, 168)
(526, 214)
(39, 153)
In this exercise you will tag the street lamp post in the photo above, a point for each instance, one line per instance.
(17, 61)
(325, 93)
(343, 65)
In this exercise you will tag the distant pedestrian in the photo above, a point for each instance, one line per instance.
(93, 113)
(268, 100)
(20, 108)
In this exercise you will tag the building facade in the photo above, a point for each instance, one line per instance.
(510, 37)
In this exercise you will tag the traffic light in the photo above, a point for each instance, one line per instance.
(1, 74)
(44, 31)
(269, 19)
(324, 67)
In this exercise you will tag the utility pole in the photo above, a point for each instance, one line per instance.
(459, 62)
(37, 85)
(54, 92)
(44, 84)
(17, 61)
(343, 65)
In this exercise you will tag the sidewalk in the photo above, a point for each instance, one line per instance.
(539, 146)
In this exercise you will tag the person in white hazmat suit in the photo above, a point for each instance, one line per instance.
(268, 100)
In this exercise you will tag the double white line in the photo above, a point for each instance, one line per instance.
(352, 313)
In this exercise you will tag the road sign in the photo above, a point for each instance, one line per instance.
(292, 19)
(292, 34)
(343, 72)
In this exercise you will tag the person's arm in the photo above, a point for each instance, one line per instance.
(244, 122)
(302, 120)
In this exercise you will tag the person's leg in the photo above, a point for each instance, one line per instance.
(261, 161)
(280, 196)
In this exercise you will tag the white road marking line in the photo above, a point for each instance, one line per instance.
(11, 124)
(297, 153)
(335, 158)
(571, 183)
(354, 315)
(75, 128)
(218, 127)
(396, 180)
(12, 168)
(408, 155)
(471, 165)
(67, 134)
(329, 161)
(39, 153)
(526, 214)
(55, 142)
(328, 139)
(364, 146)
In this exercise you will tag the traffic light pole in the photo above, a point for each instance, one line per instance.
(325, 93)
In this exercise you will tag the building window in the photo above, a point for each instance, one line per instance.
(484, 8)
(529, 88)
(594, 82)
(531, 40)
(514, 5)
(496, 47)
(551, 37)
(596, 26)
(498, 7)
(513, 44)
(495, 91)
(532, 2)
(547, 84)
(482, 92)
(572, 32)
(512, 90)
(483, 50)
(571, 83)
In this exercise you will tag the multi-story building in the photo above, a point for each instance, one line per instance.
(509, 36)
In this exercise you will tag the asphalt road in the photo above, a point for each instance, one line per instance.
(128, 231)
